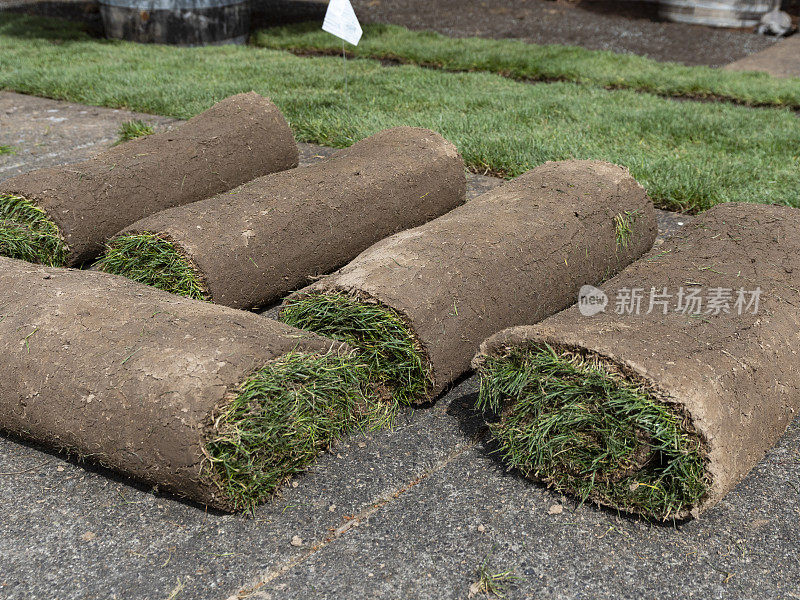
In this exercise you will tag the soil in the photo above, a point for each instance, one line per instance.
(514, 255)
(238, 139)
(275, 234)
(734, 375)
(125, 374)
(626, 27)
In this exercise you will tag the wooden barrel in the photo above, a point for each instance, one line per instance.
(180, 22)
(717, 13)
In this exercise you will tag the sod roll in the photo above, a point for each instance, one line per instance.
(419, 303)
(249, 247)
(213, 404)
(63, 215)
(660, 414)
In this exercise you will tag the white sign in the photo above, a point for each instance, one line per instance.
(341, 21)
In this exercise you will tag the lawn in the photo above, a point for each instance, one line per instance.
(534, 62)
(689, 155)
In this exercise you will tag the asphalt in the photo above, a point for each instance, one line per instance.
(409, 513)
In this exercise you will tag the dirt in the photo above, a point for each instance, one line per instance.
(514, 255)
(236, 140)
(734, 375)
(626, 27)
(124, 374)
(275, 234)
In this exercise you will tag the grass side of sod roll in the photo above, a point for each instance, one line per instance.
(582, 427)
(27, 233)
(395, 360)
(152, 259)
(534, 62)
(688, 155)
(282, 417)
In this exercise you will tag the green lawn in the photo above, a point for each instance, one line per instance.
(689, 155)
(521, 60)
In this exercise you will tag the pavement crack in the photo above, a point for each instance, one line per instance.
(252, 591)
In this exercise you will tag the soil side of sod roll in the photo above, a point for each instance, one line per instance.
(213, 404)
(420, 302)
(238, 139)
(249, 247)
(660, 414)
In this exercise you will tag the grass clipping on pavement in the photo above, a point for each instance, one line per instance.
(131, 130)
(152, 259)
(26, 233)
(282, 417)
(577, 424)
(395, 360)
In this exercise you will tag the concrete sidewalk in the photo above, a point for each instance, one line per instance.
(407, 513)
(780, 60)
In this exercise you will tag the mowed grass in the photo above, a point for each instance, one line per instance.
(689, 155)
(386, 343)
(153, 260)
(570, 422)
(522, 60)
(283, 417)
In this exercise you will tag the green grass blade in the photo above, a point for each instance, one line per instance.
(584, 429)
(386, 342)
(282, 418)
(534, 62)
(27, 233)
(130, 130)
(688, 155)
(153, 260)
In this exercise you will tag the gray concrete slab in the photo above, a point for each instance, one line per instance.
(780, 60)
(45, 132)
(406, 513)
(428, 544)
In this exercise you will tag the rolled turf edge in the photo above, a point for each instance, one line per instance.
(580, 424)
(155, 260)
(723, 376)
(394, 357)
(209, 403)
(238, 139)
(279, 420)
(254, 244)
(27, 233)
(419, 303)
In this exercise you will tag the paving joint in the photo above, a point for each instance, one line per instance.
(252, 591)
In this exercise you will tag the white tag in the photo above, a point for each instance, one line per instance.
(341, 21)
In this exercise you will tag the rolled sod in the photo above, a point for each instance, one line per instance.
(660, 413)
(213, 404)
(249, 247)
(419, 303)
(62, 215)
